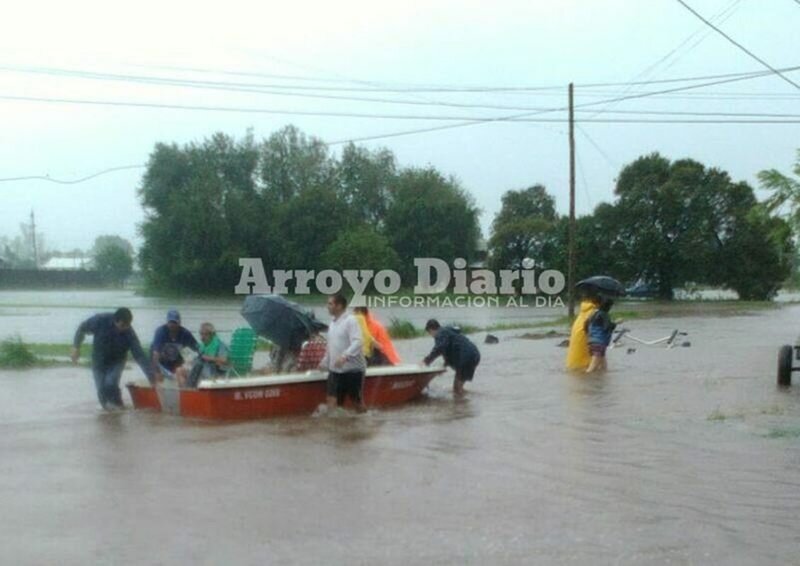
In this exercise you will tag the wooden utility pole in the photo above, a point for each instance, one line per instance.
(571, 244)
(33, 238)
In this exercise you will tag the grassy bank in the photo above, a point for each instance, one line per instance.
(16, 354)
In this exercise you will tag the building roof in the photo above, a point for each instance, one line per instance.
(66, 263)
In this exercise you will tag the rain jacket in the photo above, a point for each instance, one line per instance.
(578, 353)
(379, 334)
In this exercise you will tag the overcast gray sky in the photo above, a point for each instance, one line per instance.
(365, 44)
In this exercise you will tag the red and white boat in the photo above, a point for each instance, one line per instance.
(256, 397)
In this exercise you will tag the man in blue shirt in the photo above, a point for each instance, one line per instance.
(113, 338)
(166, 347)
(457, 350)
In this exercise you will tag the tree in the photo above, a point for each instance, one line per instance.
(785, 192)
(114, 264)
(107, 241)
(360, 247)
(600, 247)
(290, 162)
(756, 257)
(202, 213)
(524, 228)
(430, 216)
(680, 222)
(309, 223)
(664, 208)
(365, 181)
(19, 252)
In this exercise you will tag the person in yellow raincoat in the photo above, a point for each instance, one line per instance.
(374, 342)
(367, 341)
(382, 340)
(578, 356)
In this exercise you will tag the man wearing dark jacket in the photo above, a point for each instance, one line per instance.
(113, 338)
(165, 349)
(458, 351)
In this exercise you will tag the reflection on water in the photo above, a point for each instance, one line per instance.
(686, 456)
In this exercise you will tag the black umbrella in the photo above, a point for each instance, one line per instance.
(283, 322)
(602, 284)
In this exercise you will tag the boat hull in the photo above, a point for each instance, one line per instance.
(273, 396)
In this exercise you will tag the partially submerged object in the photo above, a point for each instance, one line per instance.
(670, 341)
(786, 357)
(257, 397)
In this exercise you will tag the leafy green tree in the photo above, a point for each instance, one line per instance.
(785, 191)
(114, 263)
(756, 257)
(360, 247)
(202, 213)
(600, 248)
(365, 180)
(291, 162)
(524, 228)
(681, 222)
(309, 223)
(663, 210)
(430, 216)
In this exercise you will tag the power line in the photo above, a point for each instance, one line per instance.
(596, 146)
(73, 181)
(727, 12)
(583, 131)
(480, 89)
(695, 113)
(238, 109)
(586, 104)
(585, 184)
(233, 88)
(739, 45)
(366, 115)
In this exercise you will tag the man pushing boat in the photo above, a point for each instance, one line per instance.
(344, 357)
(113, 338)
(457, 350)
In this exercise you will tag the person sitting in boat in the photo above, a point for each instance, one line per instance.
(212, 359)
(312, 352)
(383, 350)
(457, 350)
(165, 350)
(282, 359)
(113, 338)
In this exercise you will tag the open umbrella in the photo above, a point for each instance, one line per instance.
(283, 322)
(602, 284)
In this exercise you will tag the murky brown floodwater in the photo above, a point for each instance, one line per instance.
(684, 456)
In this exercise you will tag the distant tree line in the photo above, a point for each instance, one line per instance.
(673, 223)
(291, 202)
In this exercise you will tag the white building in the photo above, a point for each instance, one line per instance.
(70, 263)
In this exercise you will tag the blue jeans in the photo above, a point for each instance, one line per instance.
(106, 380)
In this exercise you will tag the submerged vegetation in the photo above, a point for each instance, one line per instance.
(15, 354)
(400, 329)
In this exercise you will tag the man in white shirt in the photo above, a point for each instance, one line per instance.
(344, 357)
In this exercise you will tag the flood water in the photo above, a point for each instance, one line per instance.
(682, 456)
